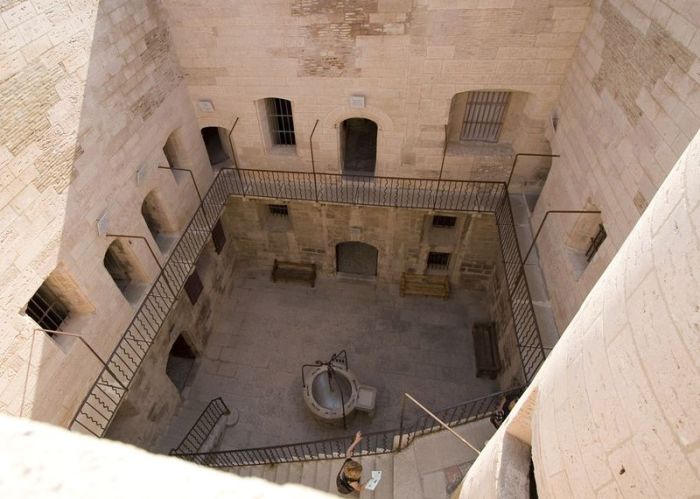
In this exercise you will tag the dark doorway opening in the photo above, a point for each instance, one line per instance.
(358, 142)
(180, 362)
(356, 258)
(213, 140)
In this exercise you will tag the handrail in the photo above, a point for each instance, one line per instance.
(98, 407)
(201, 429)
(378, 442)
(440, 422)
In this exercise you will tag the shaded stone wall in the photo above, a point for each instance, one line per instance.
(89, 91)
(403, 238)
(629, 107)
(153, 398)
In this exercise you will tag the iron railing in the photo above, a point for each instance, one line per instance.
(202, 428)
(527, 332)
(104, 397)
(379, 442)
(397, 192)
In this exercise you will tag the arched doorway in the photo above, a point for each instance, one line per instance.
(214, 138)
(353, 257)
(358, 146)
(180, 362)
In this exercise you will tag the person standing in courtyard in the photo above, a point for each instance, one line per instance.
(348, 479)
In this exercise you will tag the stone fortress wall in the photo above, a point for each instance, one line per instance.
(94, 89)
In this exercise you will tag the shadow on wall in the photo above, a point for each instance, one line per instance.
(100, 105)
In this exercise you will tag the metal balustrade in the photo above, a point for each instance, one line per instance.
(379, 442)
(202, 428)
(99, 406)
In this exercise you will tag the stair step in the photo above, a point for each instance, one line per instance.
(407, 483)
(282, 475)
(336, 464)
(295, 472)
(385, 489)
(257, 471)
(367, 463)
(323, 472)
(308, 473)
(242, 470)
(269, 472)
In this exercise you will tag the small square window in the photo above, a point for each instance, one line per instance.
(438, 261)
(46, 309)
(218, 237)
(193, 287)
(444, 222)
(278, 210)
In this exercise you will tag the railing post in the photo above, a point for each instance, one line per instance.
(442, 166)
(403, 407)
(515, 160)
(313, 164)
(230, 143)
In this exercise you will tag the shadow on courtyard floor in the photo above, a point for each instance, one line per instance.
(264, 332)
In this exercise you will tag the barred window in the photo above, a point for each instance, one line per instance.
(444, 221)
(438, 261)
(484, 114)
(279, 210)
(279, 117)
(46, 309)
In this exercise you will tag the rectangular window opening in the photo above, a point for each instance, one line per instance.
(218, 237)
(279, 116)
(46, 309)
(444, 221)
(483, 116)
(596, 241)
(438, 261)
(278, 210)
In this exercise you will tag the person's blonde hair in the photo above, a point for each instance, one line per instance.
(353, 470)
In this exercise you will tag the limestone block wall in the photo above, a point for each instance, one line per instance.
(407, 58)
(629, 106)
(153, 398)
(612, 412)
(402, 237)
(90, 92)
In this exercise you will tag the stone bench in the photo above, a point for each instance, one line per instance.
(292, 271)
(425, 285)
(488, 362)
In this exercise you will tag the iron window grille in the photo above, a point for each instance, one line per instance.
(438, 261)
(444, 222)
(279, 116)
(278, 210)
(46, 309)
(596, 241)
(483, 116)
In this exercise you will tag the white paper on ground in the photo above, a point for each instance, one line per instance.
(374, 481)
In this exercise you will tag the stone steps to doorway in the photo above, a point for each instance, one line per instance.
(321, 475)
(424, 469)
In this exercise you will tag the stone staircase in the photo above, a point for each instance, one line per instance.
(429, 468)
(321, 474)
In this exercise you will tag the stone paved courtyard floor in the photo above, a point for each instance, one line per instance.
(264, 332)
